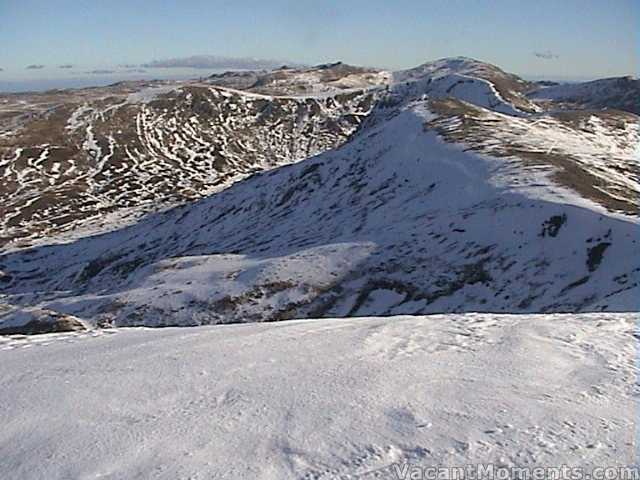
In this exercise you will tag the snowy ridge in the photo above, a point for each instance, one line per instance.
(81, 161)
(321, 399)
(317, 194)
(469, 80)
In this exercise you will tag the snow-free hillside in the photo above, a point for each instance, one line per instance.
(96, 156)
(323, 399)
(622, 93)
(396, 221)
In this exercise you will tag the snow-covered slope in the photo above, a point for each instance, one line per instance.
(325, 399)
(396, 221)
(622, 93)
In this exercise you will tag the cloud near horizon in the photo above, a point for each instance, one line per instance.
(216, 62)
(100, 72)
(548, 55)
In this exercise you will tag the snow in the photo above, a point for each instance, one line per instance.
(75, 120)
(319, 81)
(396, 221)
(320, 399)
(407, 208)
(149, 94)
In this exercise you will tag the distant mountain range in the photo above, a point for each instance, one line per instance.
(622, 93)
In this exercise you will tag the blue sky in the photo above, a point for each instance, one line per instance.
(583, 39)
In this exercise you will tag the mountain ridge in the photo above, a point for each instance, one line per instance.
(432, 204)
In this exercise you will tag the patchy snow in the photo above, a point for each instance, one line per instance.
(126, 152)
(321, 399)
(76, 121)
(321, 80)
(602, 146)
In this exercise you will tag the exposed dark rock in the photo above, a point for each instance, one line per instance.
(595, 254)
(552, 226)
(38, 321)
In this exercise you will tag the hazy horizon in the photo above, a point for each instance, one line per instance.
(81, 78)
(74, 42)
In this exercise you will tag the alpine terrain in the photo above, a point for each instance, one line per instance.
(430, 267)
(449, 188)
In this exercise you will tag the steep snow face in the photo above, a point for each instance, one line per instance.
(321, 399)
(396, 221)
(622, 93)
(105, 154)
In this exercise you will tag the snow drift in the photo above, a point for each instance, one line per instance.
(324, 399)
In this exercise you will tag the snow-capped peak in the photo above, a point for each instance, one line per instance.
(469, 80)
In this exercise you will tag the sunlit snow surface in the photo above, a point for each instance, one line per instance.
(320, 399)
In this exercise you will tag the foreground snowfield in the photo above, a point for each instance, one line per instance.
(319, 399)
